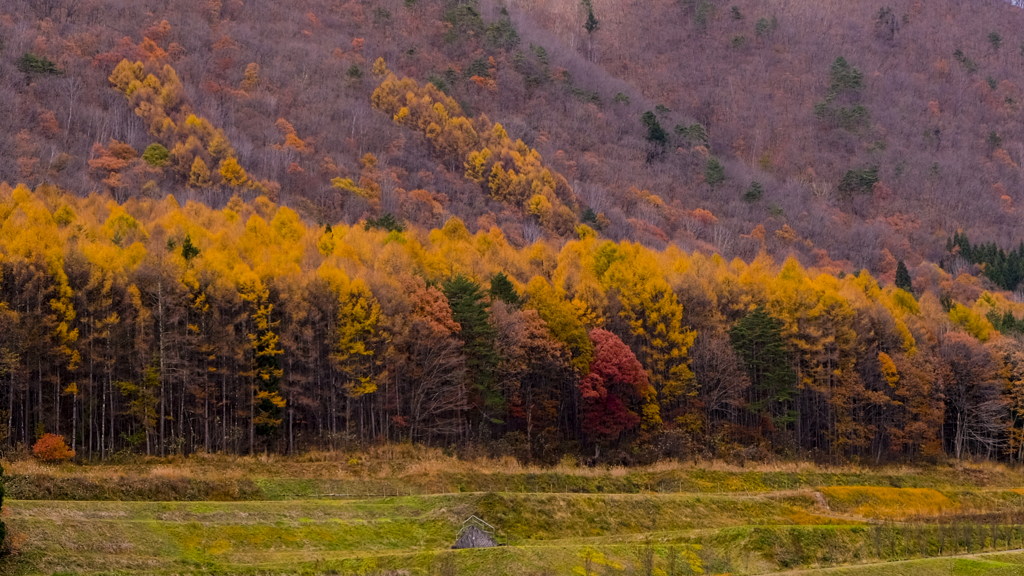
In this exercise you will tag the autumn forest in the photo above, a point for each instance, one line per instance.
(520, 228)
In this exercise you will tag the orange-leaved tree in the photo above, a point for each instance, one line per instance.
(52, 448)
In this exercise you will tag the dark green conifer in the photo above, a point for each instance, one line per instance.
(188, 249)
(714, 172)
(757, 339)
(903, 278)
(502, 289)
(754, 193)
(655, 133)
(592, 24)
(469, 310)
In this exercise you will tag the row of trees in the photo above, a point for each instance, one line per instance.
(156, 327)
(483, 148)
(1005, 269)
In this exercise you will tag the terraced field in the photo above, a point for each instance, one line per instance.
(289, 517)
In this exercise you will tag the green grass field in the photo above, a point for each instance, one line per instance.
(400, 513)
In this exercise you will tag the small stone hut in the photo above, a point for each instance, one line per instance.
(475, 533)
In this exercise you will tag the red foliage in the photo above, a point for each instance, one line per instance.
(52, 448)
(614, 388)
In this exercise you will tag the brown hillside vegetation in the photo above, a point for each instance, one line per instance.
(938, 80)
(288, 86)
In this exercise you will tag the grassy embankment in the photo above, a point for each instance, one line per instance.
(399, 510)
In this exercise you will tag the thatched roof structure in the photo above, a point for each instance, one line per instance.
(474, 537)
(475, 533)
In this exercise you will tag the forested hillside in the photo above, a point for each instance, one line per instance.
(625, 230)
(862, 133)
(874, 128)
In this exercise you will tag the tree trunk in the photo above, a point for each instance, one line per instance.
(103, 422)
(252, 423)
(56, 401)
(160, 331)
(10, 412)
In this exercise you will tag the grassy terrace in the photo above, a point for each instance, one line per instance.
(396, 511)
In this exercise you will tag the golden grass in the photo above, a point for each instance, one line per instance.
(802, 517)
(889, 503)
(387, 461)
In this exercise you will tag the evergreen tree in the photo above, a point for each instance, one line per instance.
(31, 64)
(995, 40)
(655, 133)
(386, 222)
(765, 26)
(1005, 269)
(692, 133)
(592, 24)
(757, 339)
(903, 278)
(714, 172)
(844, 77)
(502, 289)
(188, 249)
(469, 310)
(854, 181)
(754, 193)
(1005, 322)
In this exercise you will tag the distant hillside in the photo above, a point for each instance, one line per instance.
(931, 98)
(855, 134)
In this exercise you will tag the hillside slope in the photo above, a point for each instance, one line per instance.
(873, 528)
(930, 97)
(939, 86)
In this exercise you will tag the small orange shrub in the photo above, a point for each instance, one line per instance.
(52, 448)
